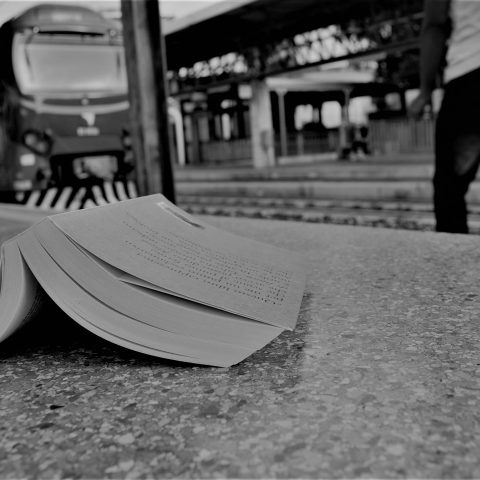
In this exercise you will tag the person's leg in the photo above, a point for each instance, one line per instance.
(457, 151)
(457, 156)
(457, 159)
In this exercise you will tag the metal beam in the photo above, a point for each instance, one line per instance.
(306, 50)
(193, 83)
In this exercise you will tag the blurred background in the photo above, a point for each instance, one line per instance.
(275, 109)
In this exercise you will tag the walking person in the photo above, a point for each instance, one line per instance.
(452, 26)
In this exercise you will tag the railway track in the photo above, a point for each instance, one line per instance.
(386, 214)
(393, 193)
(376, 194)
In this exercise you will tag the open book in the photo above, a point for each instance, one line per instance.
(148, 276)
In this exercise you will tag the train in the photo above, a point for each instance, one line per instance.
(64, 110)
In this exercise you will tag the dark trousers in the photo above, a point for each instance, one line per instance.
(457, 152)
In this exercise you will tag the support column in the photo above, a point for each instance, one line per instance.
(196, 151)
(403, 101)
(283, 123)
(147, 86)
(174, 111)
(344, 142)
(261, 126)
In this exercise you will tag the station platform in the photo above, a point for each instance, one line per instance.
(380, 378)
(401, 177)
(393, 191)
(379, 166)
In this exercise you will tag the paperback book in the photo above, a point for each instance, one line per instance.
(148, 276)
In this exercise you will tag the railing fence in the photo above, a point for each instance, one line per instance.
(401, 136)
(385, 137)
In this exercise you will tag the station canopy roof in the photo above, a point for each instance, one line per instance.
(233, 25)
(321, 80)
(333, 81)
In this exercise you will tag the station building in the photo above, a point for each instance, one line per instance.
(237, 102)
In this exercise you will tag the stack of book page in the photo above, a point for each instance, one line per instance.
(148, 276)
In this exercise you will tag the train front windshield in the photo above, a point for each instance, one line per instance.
(55, 63)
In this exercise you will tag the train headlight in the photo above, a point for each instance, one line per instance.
(38, 142)
(27, 160)
(22, 184)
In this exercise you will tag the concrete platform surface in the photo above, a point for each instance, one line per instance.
(380, 379)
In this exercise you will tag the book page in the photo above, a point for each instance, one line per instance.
(163, 311)
(116, 326)
(21, 297)
(159, 243)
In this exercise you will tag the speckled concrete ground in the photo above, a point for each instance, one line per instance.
(381, 378)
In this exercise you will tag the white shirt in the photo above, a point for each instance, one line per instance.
(463, 54)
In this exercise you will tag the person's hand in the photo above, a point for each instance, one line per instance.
(419, 104)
